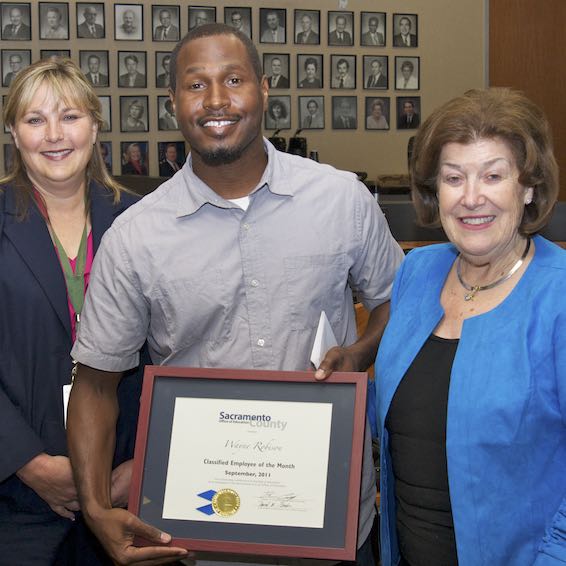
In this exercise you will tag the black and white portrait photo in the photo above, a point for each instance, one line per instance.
(343, 69)
(134, 158)
(128, 22)
(344, 112)
(200, 15)
(408, 112)
(165, 23)
(375, 72)
(132, 69)
(309, 71)
(276, 69)
(311, 112)
(105, 103)
(405, 30)
(171, 155)
(307, 27)
(133, 114)
(240, 19)
(12, 63)
(53, 20)
(407, 73)
(373, 29)
(8, 156)
(162, 69)
(46, 53)
(167, 120)
(340, 28)
(94, 65)
(16, 21)
(273, 25)
(377, 113)
(106, 151)
(90, 20)
(278, 114)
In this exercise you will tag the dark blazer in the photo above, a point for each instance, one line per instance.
(283, 82)
(162, 81)
(102, 79)
(398, 40)
(139, 81)
(24, 32)
(333, 38)
(172, 35)
(166, 170)
(380, 83)
(312, 38)
(35, 363)
(403, 123)
(84, 31)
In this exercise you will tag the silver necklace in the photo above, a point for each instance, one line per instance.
(473, 289)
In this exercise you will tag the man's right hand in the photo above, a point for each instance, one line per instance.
(116, 529)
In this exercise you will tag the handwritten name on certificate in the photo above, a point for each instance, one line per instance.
(252, 462)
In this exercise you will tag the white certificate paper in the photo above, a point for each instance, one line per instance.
(272, 454)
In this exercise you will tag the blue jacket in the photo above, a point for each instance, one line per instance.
(35, 363)
(506, 422)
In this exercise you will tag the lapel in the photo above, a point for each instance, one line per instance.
(32, 241)
(102, 212)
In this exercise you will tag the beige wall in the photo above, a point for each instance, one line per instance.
(452, 39)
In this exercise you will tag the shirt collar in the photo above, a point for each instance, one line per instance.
(195, 193)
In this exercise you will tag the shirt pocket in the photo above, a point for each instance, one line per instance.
(315, 283)
(194, 309)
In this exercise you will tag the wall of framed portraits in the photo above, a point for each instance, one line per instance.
(356, 77)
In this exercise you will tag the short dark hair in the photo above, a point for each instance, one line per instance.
(495, 113)
(132, 57)
(273, 104)
(407, 65)
(212, 30)
(345, 61)
(311, 61)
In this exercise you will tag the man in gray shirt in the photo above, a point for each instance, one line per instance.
(228, 264)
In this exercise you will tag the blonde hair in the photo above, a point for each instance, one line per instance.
(67, 82)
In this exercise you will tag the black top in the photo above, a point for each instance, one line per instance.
(416, 422)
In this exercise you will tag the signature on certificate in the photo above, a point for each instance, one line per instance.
(289, 501)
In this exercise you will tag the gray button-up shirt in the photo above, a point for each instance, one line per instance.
(211, 285)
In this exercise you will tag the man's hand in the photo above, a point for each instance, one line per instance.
(51, 478)
(116, 529)
(120, 488)
(336, 359)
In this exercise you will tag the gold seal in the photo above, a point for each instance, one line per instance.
(226, 502)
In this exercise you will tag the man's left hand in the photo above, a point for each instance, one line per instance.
(336, 359)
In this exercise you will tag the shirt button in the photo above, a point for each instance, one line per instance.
(246, 226)
(255, 283)
(261, 342)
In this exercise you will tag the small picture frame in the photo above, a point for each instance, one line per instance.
(53, 20)
(128, 22)
(377, 113)
(46, 53)
(16, 21)
(13, 61)
(373, 29)
(307, 27)
(408, 112)
(240, 19)
(9, 151)
(340, 28)
(200, 15)
(95, 67)
(171, 156)
(310, 71)
(132, 69)
(134, 114)
(276, 69)
(162, 69)
(165, 22)
(344, 112)
(405, 30)
(167, 121)
(278, 114)
(91, 22)
(311, 112)
(6, 129)
(106, 151)
(273, 25)
(407, 73)
(106, 105)
(376, 76)
(343, 71)
(134, 158)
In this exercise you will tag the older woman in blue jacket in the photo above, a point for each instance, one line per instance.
(471, 370)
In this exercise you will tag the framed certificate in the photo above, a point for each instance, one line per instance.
(251, 461)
